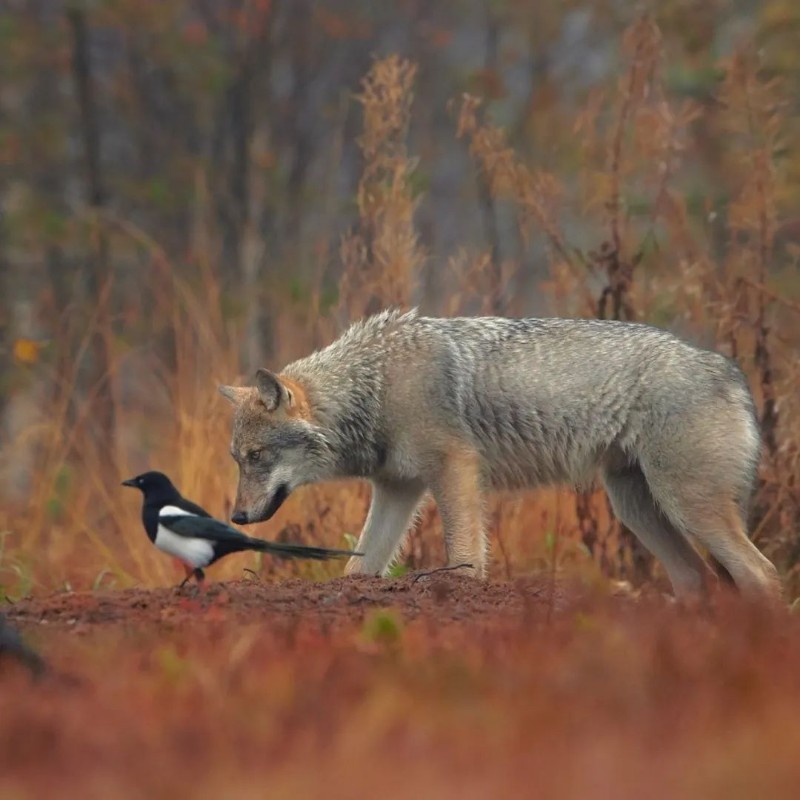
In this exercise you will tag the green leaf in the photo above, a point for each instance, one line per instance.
(350, 541)
(382, 626)
(397, 571)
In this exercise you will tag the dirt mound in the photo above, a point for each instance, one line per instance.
(447, 596)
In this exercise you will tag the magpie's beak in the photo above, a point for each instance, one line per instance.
(130, 482)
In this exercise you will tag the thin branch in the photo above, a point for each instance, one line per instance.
(440, 569)
(772, 296)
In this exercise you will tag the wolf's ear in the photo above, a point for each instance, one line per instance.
(270, 389)
(235, 394)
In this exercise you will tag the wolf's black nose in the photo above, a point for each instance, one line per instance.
(240, 518)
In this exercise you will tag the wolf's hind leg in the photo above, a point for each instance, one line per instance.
(718, 525)
(456, 487)
(390, 514)
(703, 501)
(634, 506)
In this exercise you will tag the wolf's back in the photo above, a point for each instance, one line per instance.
(552, 396)
(541, 400)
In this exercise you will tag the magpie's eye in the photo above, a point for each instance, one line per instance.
(254, 455)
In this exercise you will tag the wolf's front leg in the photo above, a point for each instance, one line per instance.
(456, 488)
(390, 514)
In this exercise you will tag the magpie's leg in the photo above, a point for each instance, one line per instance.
(199, 576)
(189, 573)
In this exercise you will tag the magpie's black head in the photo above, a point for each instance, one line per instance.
(154, 485)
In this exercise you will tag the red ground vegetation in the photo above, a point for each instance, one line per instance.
(436, 688)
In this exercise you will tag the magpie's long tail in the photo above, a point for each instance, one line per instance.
(287, 550)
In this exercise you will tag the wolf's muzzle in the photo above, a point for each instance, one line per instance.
(243, 517)
(281, 493)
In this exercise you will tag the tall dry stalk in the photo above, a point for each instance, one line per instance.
(615, 259)
(754, 117)
(382, 258)
(536, 192)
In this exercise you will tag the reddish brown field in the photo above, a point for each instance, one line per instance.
(438, 687)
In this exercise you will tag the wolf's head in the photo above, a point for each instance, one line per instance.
(275, 444)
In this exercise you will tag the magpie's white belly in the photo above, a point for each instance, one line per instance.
(195, 552)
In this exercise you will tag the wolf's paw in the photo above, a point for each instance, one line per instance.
(353, 566)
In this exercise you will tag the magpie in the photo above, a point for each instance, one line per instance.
(188, 532)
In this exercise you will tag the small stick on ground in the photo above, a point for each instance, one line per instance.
(440, 569)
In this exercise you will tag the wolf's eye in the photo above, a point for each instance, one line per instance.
(254, 455)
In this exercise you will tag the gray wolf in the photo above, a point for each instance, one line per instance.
(460, 406)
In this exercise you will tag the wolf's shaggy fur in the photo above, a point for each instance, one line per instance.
(463, 405)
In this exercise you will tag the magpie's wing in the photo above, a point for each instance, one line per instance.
(202, 528)
(193, 508)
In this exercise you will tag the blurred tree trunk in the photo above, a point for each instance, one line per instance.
(299, 35)
(6, 333)
(97, 275)
(487, 202)
(61, 307)
(248, 189)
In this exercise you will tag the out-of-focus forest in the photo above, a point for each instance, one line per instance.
(192, 189)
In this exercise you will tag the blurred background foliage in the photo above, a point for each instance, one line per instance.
(194, 188)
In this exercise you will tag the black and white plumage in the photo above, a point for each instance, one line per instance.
(186, 531)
